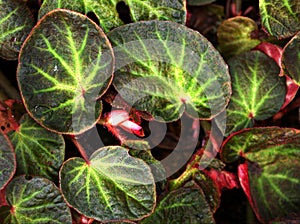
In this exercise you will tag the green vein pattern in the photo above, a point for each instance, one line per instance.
(272, 157)
(121, 187)
(108, 16)
(16, 21)
(165, 68)
(38, 151)
(65, 66)
(281, 18)
(257, 90)
(34, 201)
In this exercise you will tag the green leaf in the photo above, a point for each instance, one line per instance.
(108, 15)
(119, 186)
(244, 141)
(235, 36)
(272, 158)
(291, 58)
(185, 205)
(257, 90)
(16, 21)
(280, 18)
(38, 151)
(199, 2)
(142, 150)
(65, 65)
(35, 200)
(209, 188)
(7, 161)
(165, 68)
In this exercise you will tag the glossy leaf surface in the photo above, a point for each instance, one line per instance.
(119, 186)
(291, 58)
(35, 200)
(272, 166)
(16, 22)
(7, 161)
(258, 91)
(38, 151)
(107, 11)
(280, 18)
(165, 68)
(65, 65)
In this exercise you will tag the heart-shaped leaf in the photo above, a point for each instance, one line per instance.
(235, 35)
(280, 18)
(35, 200)
(38, 151)
(120, 186)
(16, 22)
(185, 205)
(107, 12)
(291, 58)
(165, 68)
(7, 161)
(257, 90)
(271, 170)
(65, 65)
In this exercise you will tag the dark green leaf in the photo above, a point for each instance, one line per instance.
(7, 161)
(65, 65)
(210, 190)
(235, 36)
(257, 90)
(119, 186)
(142, 150)
(35, 200)
(165, 68)
(280, 18)
(108, 15)
(272, 161)
(199, 2)
(291, 58)
(38, 151)
(244, 141)
(16, 22)
(186, 205)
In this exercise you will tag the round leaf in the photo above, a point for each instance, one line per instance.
(16, 22)
(108, 14)
(35, 200)
(257, 90)
(114, 186)
(234, 35)
(272, 160)
(38, 151)
(7, 161)
(280, 18)
(165, 68)
(185, 205)
(291, 58)
(65, 65)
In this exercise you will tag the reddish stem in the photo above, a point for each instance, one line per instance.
(80, 149)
